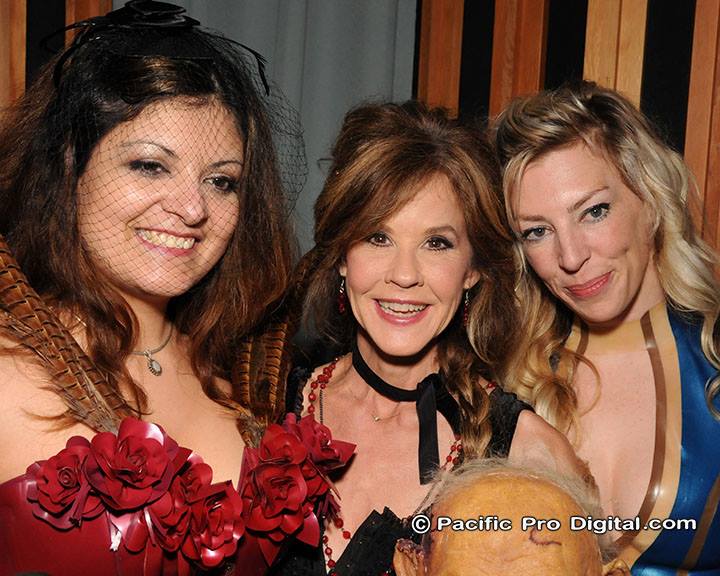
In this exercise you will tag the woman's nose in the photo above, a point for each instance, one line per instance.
(185, 198)
(404, 270)
(572, 250)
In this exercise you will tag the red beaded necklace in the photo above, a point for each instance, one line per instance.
(317, 387)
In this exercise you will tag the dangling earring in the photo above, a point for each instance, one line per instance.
(342, 299)
(466, 308)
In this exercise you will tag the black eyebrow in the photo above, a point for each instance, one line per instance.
(222, 163)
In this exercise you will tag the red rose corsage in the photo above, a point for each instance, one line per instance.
(159, 497)
(284, 481)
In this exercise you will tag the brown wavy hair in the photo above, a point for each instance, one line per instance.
(611, 125)
(383, 154)
(46, 140)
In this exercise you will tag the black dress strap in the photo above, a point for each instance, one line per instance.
(505, 410)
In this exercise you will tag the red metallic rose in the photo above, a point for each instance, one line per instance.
(324, 451)
(216, 525)
(169, 516)
(133, 468)
(59, 492)
(160, 501)
(281, 482)
(326, 454)
(282, 444)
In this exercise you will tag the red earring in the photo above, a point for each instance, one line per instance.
(466, 308)
(342, 299)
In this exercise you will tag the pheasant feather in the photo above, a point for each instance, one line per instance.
(27, 320)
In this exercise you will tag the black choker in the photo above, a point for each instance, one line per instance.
(430, 397)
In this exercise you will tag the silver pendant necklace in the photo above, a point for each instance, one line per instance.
(153, 365)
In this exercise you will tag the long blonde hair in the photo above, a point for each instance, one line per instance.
(541, 368)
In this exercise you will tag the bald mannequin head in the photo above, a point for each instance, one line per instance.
(493, 492)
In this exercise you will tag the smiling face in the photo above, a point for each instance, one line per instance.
(587, 236)
(158, 202)
(405, 281)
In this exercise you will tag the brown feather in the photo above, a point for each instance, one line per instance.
(264, 359)
(27, 320)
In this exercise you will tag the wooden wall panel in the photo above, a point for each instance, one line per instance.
(440, 53)
(631, 48)
(702, 137)
(601, 41)
(12, 50)
(614, 55)
(13, 34)
(615, 45)
(76, 10)
(518, 59)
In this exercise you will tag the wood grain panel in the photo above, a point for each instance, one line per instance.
(519, 41)
(615, 45)
(76, 10)
(13, 18)
(440, 53)
(601, 41)
(631, 48)
(702, 137)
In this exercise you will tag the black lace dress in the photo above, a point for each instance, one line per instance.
(370, 550)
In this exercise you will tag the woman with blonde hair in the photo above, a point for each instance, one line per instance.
(410, 253)
(618, 309)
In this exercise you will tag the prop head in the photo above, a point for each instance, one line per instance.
(502, 510)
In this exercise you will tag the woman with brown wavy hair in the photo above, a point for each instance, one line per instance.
(407, 259)
(141, 196)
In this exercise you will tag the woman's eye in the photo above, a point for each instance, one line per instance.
(439, 243)
(598, 212)
(379, 239)
(223, 183)
(148, 167)
(533, 234)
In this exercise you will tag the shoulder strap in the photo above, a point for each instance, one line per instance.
(505, 410)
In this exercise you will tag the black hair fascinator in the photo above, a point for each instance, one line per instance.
(149, 13)
(121, 56)
(142, 15)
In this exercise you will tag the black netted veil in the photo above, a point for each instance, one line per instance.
(111, 45)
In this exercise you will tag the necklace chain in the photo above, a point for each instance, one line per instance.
(317, 389)
(153, 365)
(154, 350)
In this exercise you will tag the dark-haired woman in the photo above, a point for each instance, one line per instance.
(408, 259)
(137, 176)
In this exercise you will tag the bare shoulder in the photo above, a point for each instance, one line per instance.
(538, 444)
(24, 435)
(23, 384)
